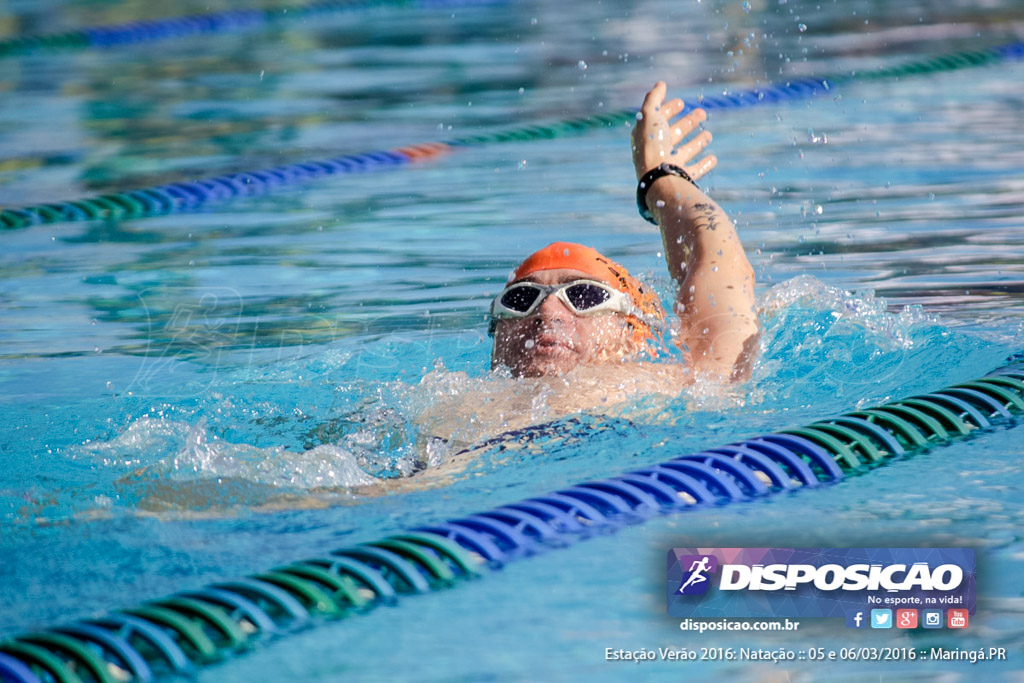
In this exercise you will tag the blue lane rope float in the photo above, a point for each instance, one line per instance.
(228, 21)
(184, 197)
(170, 637)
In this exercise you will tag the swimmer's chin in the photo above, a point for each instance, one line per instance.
(550, 366)
(560, 361)
(531, 370)
(543, 360)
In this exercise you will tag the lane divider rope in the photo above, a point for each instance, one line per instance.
(183, 197)
(229, 21)
(171, 637)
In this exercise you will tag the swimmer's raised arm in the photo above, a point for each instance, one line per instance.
(715, 301)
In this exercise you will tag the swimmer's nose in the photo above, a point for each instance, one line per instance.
(552, 308)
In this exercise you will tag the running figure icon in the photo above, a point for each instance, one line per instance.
(697, 570)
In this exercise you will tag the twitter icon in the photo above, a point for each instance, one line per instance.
(881, 618)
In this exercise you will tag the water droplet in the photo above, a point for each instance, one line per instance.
(110, 385)
(522, 91)
(801, 27)
(533, 21)
(581, 65)
(931, 196)
(818, 209)
(746, 6)
(529, 343)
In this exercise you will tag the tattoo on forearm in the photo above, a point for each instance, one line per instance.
(708, 212)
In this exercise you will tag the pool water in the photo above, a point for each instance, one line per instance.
(205, 395)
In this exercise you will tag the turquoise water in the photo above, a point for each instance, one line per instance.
(189, 398)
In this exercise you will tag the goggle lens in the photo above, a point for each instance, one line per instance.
(584, 296)
(520, 298)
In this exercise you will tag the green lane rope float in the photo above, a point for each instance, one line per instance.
(192, 196)
(230, 21)
(171, 637)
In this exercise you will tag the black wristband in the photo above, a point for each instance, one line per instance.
(648, 180)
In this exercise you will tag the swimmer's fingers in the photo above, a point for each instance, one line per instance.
(702, 167)
(657, 139)
(692, 148)
(687, 124)
(652, 101)
(672, 108)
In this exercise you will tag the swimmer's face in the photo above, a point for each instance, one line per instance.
(553, 339)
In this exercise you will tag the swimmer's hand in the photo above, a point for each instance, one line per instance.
(659, 140)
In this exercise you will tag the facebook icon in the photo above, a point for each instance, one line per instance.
(855, 619)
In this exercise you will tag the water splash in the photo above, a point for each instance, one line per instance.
(862, 309)
(206, 455)
(830, 348)
(174, 465)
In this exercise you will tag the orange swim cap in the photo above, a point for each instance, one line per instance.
(600, 267)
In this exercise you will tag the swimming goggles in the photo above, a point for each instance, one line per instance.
(582, 297)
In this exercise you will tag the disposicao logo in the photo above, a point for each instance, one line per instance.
(832, 577)
(819, 582)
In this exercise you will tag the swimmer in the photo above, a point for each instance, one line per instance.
(567, 309)
(576, 332)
